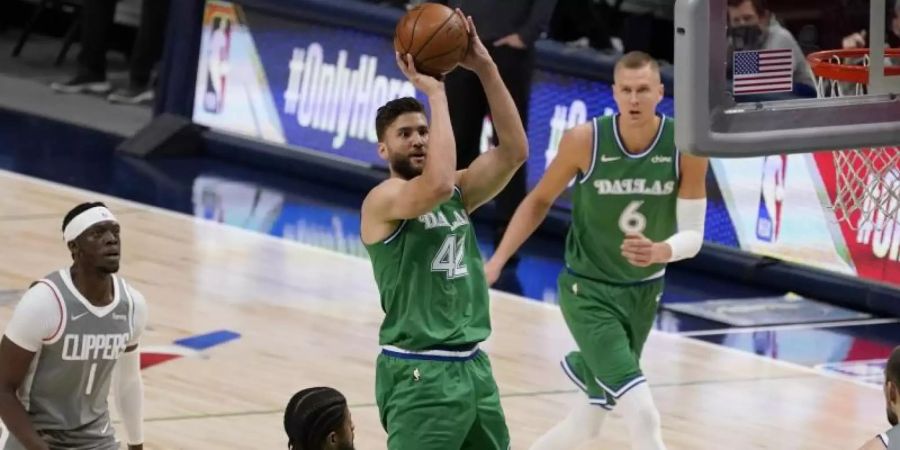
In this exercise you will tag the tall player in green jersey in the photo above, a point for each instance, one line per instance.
(638, 204)
(434, 387)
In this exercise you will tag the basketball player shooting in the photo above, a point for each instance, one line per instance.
(638, 204)
(73, 335)
(434, 387)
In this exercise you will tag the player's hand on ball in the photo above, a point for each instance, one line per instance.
(477, 58)
(642, 252)
(492, 271)
(427, 84)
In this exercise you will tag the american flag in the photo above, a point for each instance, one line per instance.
(763, 71)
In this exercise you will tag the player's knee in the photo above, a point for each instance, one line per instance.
(591, 433)
(585, 421)
(647, 417)
(583, 433)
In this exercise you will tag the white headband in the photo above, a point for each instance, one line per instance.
(85, 220)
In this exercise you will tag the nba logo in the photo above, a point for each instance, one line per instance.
(771, 197)
(217, 64)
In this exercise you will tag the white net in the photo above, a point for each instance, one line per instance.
(867, 186)
(867, 180)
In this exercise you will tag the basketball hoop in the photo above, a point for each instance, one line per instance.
(867, 180)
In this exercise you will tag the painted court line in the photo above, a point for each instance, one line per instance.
(799, 326)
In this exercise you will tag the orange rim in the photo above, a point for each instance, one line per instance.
(822, 66)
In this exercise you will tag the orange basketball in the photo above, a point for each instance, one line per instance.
(435, 36)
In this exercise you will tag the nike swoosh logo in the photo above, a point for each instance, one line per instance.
(76, 317)
(604, 158)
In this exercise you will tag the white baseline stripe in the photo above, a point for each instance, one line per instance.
(799, 326)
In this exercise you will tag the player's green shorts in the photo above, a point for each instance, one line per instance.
(610, 324)
(439, 401)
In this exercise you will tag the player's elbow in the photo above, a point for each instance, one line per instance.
(7, 384)
(521, 156)
(519, 150)
(538, 203)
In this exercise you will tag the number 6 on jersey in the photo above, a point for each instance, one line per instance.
(450, 257)
(631, 221)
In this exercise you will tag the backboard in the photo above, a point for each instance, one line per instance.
(746, 89)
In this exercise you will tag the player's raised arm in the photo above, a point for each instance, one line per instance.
(422, 157)
(574, 157)
(491, 171)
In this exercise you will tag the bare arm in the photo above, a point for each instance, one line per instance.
(491, 171)
(573, 158)
(693, 177)
(14, 363)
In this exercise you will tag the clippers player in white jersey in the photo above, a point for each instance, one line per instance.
(67, 335)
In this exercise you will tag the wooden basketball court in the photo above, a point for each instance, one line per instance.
(310, 317)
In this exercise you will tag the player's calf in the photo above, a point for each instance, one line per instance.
(642, 418)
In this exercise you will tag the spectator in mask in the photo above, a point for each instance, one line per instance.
(753, 27)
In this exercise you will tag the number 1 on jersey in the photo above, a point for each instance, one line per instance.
(90, 381)
(450, 257)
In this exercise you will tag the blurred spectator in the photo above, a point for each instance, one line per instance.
(577, 20)
(509, 30)
(647, 26)
(96, 22)
(891, 35)
(860, 39)
(753, 27)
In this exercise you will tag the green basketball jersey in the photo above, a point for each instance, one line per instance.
(431, 279)
(621, 193)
